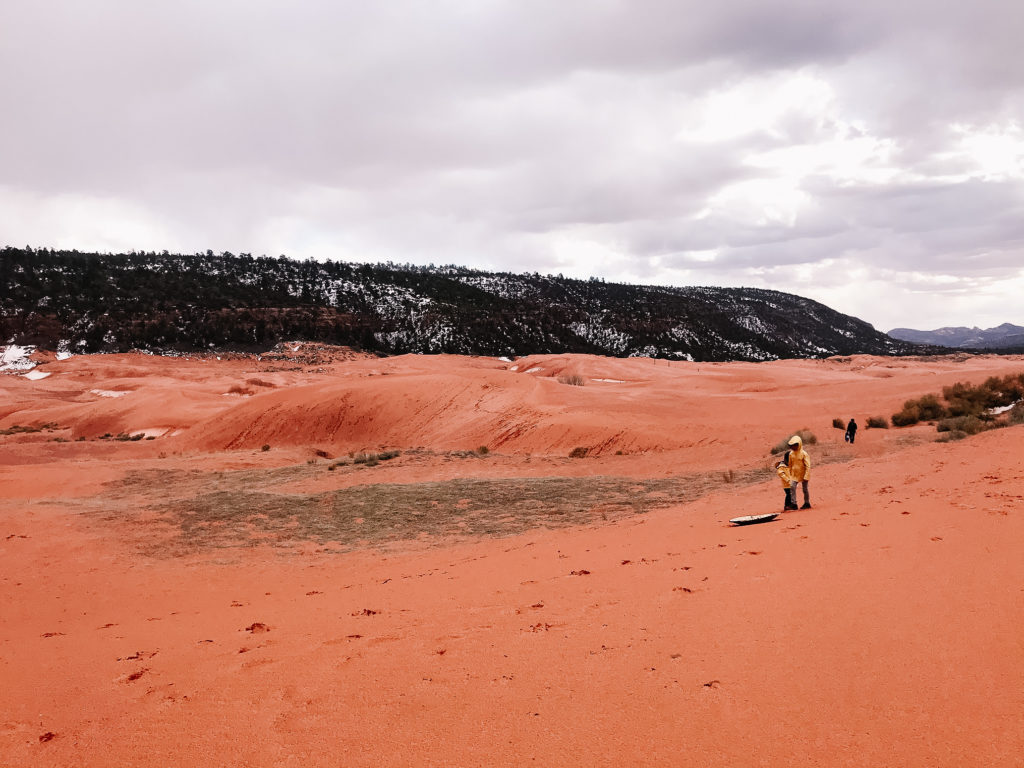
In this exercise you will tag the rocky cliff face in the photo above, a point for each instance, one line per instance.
(87, 302)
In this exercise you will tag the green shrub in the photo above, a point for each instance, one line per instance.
(878, 422)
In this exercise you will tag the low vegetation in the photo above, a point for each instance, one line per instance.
(838, 424)
(965, 409)
(205, 510)
(19, 429)
(575, 380)
(364, 458)
(877, 422)
(579, 452)
(805, 434)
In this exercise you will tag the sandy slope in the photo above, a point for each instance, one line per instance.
(880, 628)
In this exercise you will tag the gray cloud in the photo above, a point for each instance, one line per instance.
(577, 136)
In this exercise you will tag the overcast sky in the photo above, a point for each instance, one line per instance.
(867, 154)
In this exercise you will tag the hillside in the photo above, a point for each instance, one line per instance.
(90, 302)
(1005, 336)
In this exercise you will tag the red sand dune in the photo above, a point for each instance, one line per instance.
(881, 627)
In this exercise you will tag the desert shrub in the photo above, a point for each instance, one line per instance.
(925, 408)
(728, 476)
(838, 424)
(366, 459)
(17, 429)
(1016, 415)
(574, 380)
(878, 422)
(949, 437)
(969, 425)
(322, 453)
(995, 392)
(265, 448)
(259, 383)
(579, 452)
(805, 434)
(237, 390)
(387, 455)
(483, 450)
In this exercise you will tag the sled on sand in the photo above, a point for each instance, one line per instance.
(749, 519)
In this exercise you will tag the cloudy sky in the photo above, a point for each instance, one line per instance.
(866, 154)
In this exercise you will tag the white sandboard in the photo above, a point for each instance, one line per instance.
(748, 519)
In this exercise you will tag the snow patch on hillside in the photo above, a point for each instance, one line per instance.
(15, 358)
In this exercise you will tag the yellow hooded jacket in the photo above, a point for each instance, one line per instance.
(799, 461)
(783, 472)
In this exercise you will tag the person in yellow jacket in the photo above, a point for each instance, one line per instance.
(782, 470)
(799, 469)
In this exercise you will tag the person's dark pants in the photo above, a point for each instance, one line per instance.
(807, 493)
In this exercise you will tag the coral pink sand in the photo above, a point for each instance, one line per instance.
(881, 627)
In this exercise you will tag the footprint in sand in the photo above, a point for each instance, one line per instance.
(136, 675)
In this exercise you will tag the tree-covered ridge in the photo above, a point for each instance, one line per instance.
(94, 302)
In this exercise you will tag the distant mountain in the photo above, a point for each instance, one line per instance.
(1001, 337)
(90, 302)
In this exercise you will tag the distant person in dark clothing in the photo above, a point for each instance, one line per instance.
(851, 431)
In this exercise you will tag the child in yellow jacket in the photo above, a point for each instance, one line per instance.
(782, 470)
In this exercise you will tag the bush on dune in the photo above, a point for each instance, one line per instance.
(968, 408)
(878, 422)
(805, 434)
(925, 408)
(969, 425)
(1016, 415)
